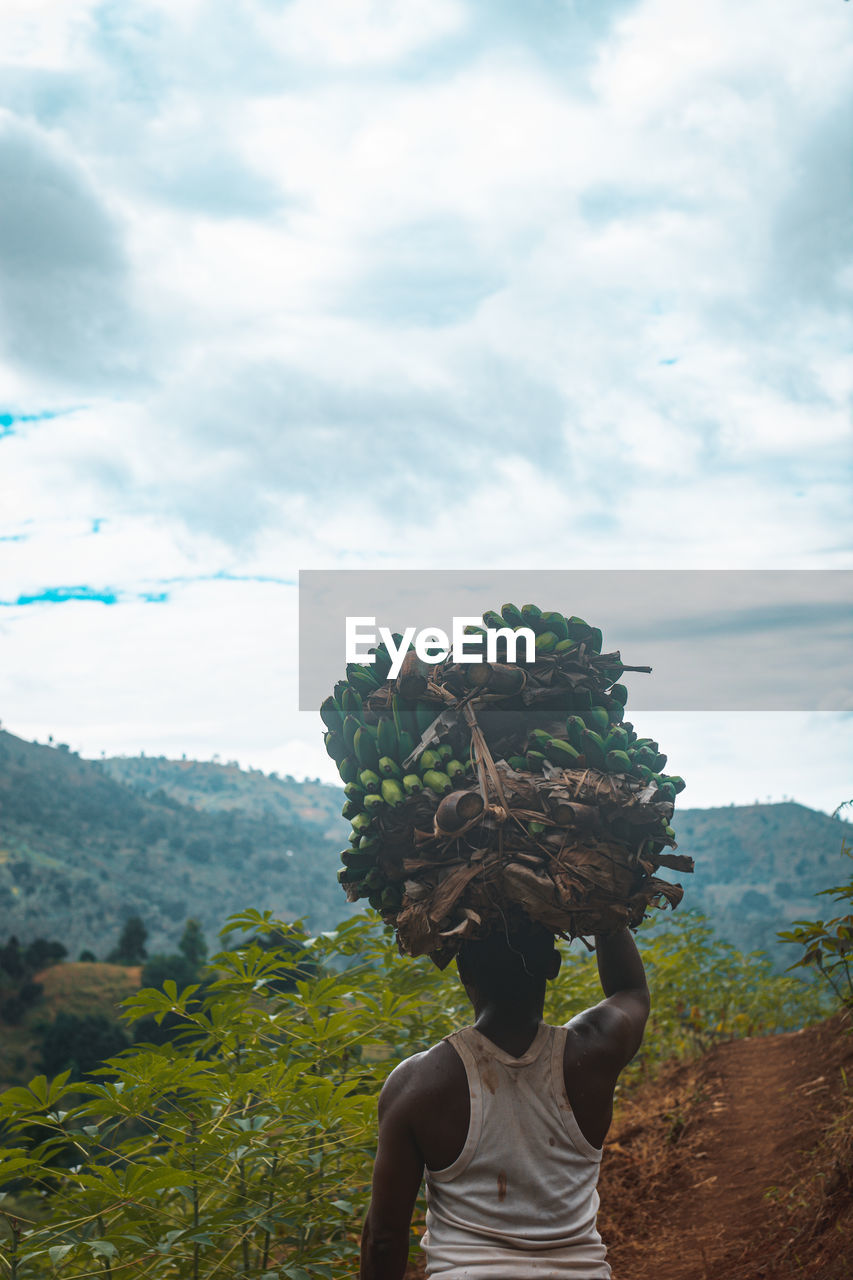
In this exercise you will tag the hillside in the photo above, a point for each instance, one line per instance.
(84, 844)
(757, 866)
(81, 851)
(79, 989)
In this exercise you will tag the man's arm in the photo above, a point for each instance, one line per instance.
(605, 1038)
(623, 1013)
(397, 1174)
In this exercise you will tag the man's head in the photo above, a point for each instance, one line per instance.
(509, 968)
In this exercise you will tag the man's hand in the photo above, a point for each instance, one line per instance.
(397, 1175)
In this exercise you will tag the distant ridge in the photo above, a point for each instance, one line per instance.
(84, 844)
(81, 850)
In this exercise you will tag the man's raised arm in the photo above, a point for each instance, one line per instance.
(623, 981)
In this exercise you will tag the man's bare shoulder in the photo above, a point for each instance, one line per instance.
(611, 1030)
(423, 1077)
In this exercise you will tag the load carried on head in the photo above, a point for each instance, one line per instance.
(486, 794)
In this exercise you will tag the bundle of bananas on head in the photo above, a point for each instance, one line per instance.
(404, 749)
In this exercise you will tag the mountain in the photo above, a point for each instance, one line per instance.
(84, 844)
(81, 850)
(759, 866)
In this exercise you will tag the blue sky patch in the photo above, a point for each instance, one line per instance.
(61, 595)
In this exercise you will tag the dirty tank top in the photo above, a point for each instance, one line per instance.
(520, 1200)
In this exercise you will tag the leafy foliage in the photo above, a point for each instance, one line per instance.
(828, 944)
(243, 1144)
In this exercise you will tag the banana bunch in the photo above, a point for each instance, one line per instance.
(373, 740)
(371, 762)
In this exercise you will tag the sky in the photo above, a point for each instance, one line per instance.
(409, 284)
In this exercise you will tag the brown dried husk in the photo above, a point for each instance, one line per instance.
(575, 877)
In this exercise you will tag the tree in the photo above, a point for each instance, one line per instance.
(192, 944)
(131, 944)
(11, 960)
(41, 953)
(80, 1044)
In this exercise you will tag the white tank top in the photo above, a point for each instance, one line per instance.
(520, 1200)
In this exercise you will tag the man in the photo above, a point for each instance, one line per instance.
(507, 1120)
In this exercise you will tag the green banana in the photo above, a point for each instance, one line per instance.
(516, 762)
(330, 714)
(387, 742)
(598, 719)
(361, 678)
(532, 616)
(535, 828)
(677, 782)
(575, 726)
(493, 621)
(429, 760)
(351, 727)
(412, 784)
(360, 822)
(356, 860)
(565, 646)
(381, 662)
(372, 802)
(397, 713)
(424, 716)
(392, 792)
(546, 642)
(620, 693)
(370, 781)
(353, 791)
(348, 769)
(592, 746)
(389, 768)
(534, 760)
(351, 701)
(577, 628)
(538, 739)
(365, 748)
(617, 762)
(512, 616)
(350, 808)
(437, 781)
(335, 745)
(454, 768)
(556, 623)
(562, 753)
(392, 899)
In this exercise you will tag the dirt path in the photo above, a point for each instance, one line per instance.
(737, 1167)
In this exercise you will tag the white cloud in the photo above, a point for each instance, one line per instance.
(370, 283)
(359, 33)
